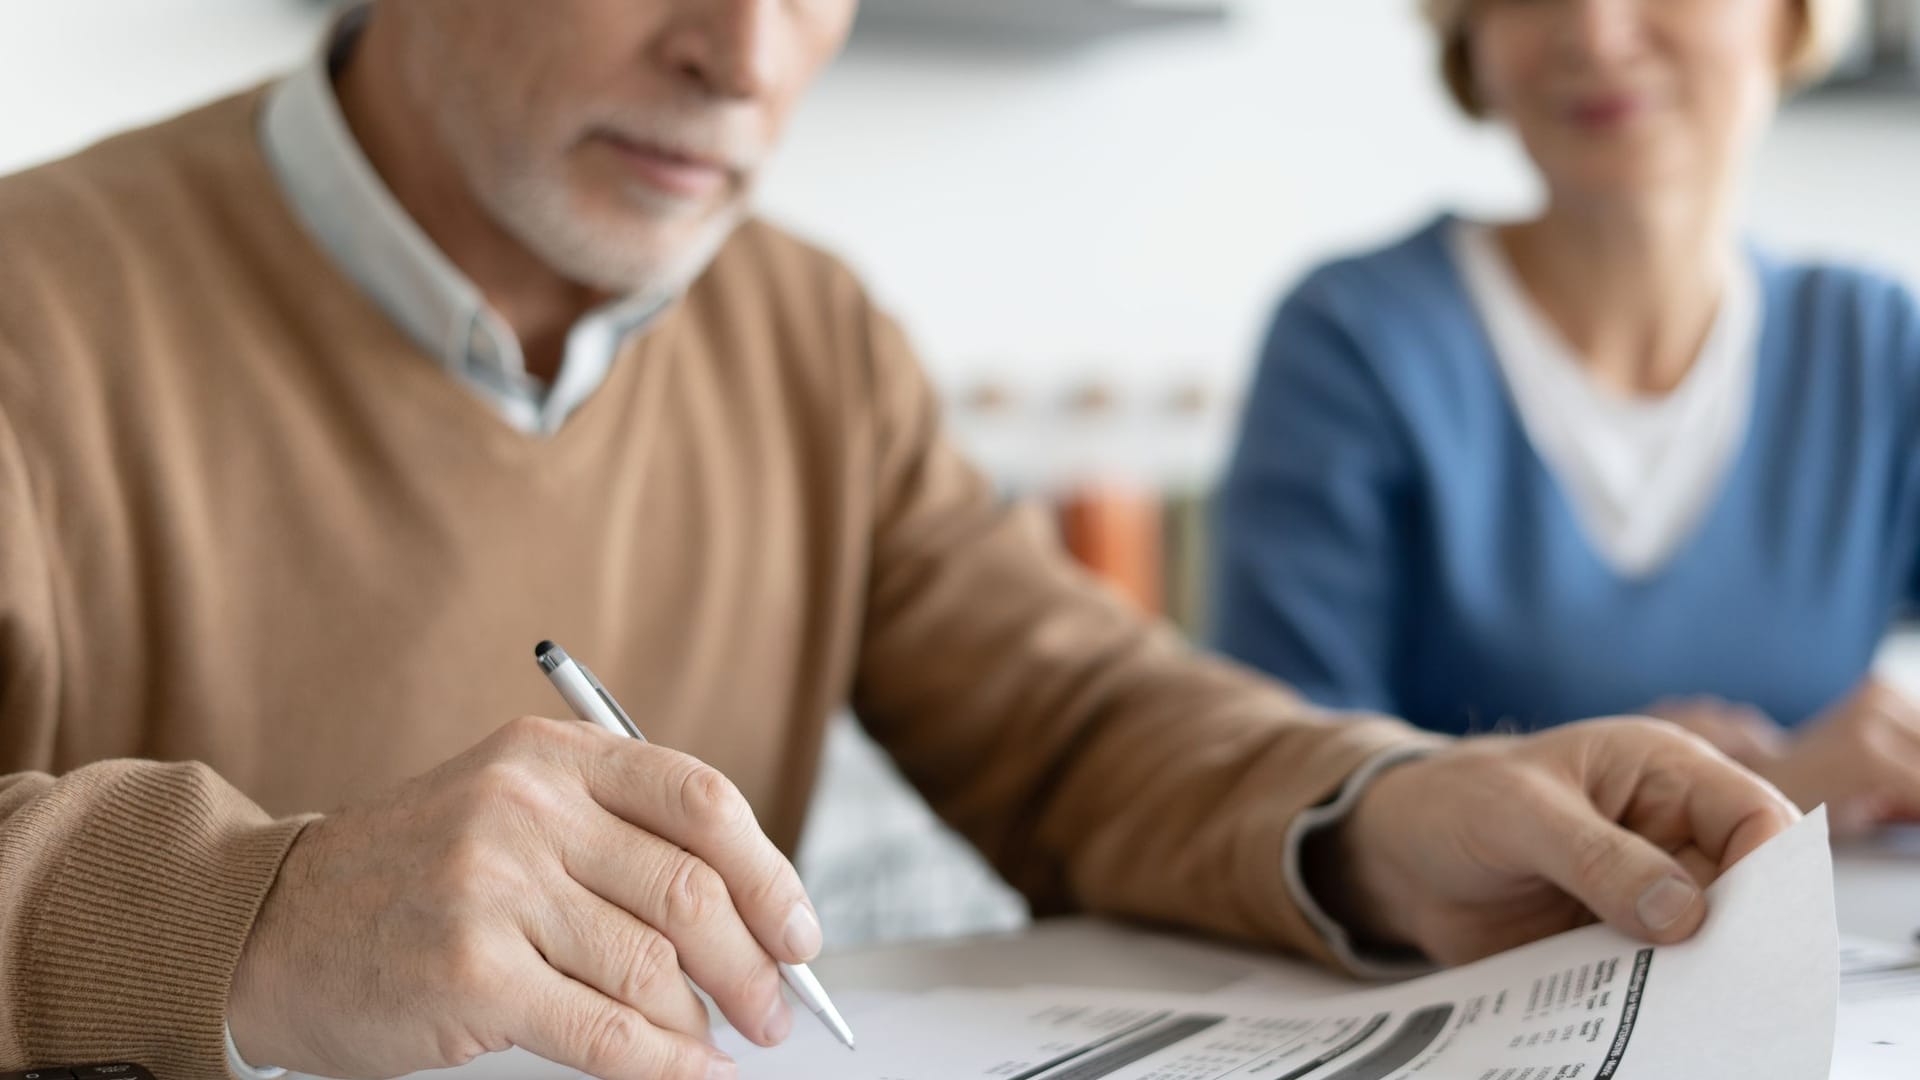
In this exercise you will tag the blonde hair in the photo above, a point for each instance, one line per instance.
(1825, 26)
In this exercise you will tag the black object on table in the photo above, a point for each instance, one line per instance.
(118, 1071)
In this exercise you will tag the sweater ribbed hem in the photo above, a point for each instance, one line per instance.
(132, 950)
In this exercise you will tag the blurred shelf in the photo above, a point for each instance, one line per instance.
(1884, 58)
(1884, 84)
(1054, 17)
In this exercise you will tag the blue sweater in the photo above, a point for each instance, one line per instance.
(1390, 540)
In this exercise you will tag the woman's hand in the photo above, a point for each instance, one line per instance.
(1861, 758)
(1741, 732)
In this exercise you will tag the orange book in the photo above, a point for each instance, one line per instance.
(1116, 532)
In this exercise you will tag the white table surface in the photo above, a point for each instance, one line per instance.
(1877, 887)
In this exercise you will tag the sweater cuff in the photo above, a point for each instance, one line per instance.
(1344, 754)
(133, 942)
(1402, 964)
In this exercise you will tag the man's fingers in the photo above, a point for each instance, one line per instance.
(679, 895)
(1628, 880)
(580, 1028)
(691, 805)
(1699, 866)
(597, 944)
(1624, 879)
(1729, 811)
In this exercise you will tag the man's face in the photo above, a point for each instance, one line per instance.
(619, 140)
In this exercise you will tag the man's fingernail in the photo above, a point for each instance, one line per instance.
(721, 1067)
(779, 1022)
(1666, 902)
(803, 932)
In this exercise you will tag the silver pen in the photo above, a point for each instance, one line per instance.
(591, 702)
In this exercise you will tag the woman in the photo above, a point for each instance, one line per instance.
(1609, 459)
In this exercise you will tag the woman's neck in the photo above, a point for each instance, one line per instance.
(1634, 289)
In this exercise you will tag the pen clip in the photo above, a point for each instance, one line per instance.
(613, 706)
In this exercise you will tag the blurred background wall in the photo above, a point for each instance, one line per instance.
(1127, 203)
(1080, 218)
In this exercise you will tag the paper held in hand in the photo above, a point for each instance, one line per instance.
(1752, 995)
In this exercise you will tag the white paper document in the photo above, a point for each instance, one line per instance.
(1878, 1037)
(1752, 996)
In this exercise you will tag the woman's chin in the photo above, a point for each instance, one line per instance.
(1623, 179)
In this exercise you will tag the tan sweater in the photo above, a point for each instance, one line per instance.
(259, 557)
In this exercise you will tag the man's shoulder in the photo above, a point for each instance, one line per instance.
(775, 309)
(763, 254)
(805, 298)
(81, 229)
(89, 240)
(127, 174)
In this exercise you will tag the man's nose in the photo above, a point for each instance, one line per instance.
(732, 48)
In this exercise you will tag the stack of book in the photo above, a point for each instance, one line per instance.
(1152, 547)
(1129, 475)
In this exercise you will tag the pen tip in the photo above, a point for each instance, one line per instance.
(541, 650)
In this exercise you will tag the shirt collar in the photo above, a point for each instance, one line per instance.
(339, 195)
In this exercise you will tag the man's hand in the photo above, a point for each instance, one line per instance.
(545, 890)
(1496, 842)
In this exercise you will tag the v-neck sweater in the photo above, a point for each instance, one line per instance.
(261, 556)
(1391, 538)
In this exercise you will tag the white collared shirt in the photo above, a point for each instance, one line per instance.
(1641, 474)
(337, 194)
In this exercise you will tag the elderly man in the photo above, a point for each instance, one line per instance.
(323, 403)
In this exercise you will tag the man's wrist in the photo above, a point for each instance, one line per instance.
(256, 1015)
(240, 1068)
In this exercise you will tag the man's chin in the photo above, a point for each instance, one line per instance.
(643, 201)
(649, 257)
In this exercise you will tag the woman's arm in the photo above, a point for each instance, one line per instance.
(1312, 531)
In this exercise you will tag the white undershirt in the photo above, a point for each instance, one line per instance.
(1641, 473)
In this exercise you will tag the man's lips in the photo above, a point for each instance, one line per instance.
(673, 171)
